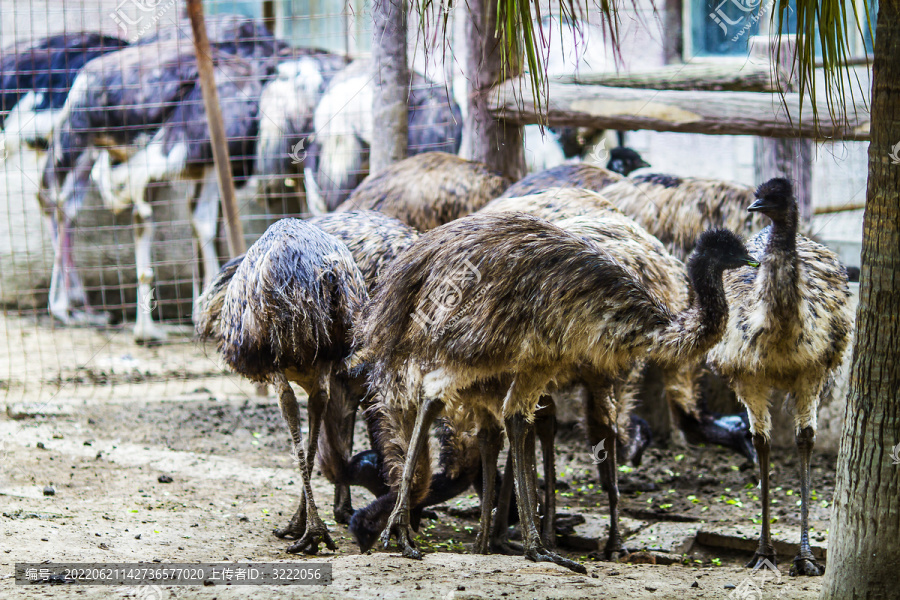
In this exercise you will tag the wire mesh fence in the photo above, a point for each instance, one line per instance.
(109, 193)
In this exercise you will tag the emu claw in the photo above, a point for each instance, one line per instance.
(506, 547)
(614, 552)
(309, 543)
(398, 525)
(296, 527)
(342, 515)
(541, 555)
(758, 559)
(806, 565)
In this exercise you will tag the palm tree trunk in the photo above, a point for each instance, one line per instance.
(389, 103)
(864, 550)
(498, 144)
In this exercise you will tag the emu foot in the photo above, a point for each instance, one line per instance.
(343, 513)
(539, 554)
(296, 527)
(759, 558)
(806, 565)
(615, 550)
(506, 547)
(398, 526)
(83, 318)
(316, 533)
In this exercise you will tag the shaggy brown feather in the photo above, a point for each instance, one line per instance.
(427, 190)
(576, 175)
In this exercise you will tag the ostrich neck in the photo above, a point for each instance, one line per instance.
(779, 273)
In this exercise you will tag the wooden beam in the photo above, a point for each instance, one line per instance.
(744, 78)
(711, 113)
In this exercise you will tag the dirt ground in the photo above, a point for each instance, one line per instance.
(99, 420)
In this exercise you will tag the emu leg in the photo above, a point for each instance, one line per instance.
(145, 329)
(526, 483)
(545, 428)
(500, 543)
(346, 420)
(489, 440)
(290, 411)
(615, 547)
(398, 523)
(765, 551)
(316, 532)
(805, 563)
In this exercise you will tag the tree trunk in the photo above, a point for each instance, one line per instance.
(864, 550)
(389, 103)
(673, 39)
(497, 143)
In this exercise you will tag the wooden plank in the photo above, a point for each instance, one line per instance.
(711, 113)
(749, 77)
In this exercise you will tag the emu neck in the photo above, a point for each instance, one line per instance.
(709, 302)
(779, 273)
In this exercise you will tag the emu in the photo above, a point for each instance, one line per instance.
(428, 190)
(284, 313)
(788, 326)
(547, 304)
(622, 161)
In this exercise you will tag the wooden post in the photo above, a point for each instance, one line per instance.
(790, 158)
(389, 102)
(673, 34)
(495, 142)
(236, 243)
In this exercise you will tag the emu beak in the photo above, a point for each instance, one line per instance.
(752, 262)
(644, 164)
(759, 205)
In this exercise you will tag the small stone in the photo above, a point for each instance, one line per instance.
(164, 479)
(49, 491)
(460, 588)
(137, 537)
(45, 539)
(88, 442)
(103, 546)
(97, 535)
(695, 585)
(730, 586)
(242, 517)
(650, 588)
(208, 582)
(41, 445)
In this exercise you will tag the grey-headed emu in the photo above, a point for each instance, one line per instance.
(284, 313)
(788, 326)
(512, 297)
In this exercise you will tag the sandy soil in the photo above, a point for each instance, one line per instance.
(100, 420)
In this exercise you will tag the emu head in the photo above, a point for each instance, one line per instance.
(624, 160)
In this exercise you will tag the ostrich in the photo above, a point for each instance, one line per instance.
(788, 326)
(286, 315)
(338, 157)
(144, 109)
(35, 78)
(542, 303)
(286, 111)
(622, 161)
(428, 190)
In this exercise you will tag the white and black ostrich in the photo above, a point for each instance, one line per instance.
(789, 323)
(136, 116)
(35, 78)
(285, 315)
(542, 303)
(428, 190)
(338, 157)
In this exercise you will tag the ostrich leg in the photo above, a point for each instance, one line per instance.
(766, 550)
(205, 220)
(489, 440)
(145, 329)
(805, 563)
(517, 429)
(398, 523)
